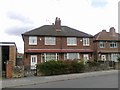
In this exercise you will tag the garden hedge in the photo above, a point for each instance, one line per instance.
(54, 67)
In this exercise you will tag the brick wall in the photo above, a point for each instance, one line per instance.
(12, 54)
(61, 43)
(9, 69)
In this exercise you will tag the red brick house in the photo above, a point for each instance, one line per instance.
(107, 45)
(56, 42)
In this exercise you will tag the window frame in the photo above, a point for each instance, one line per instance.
(31, 38)
(66, 56)
(114, 44)
(47, 40)
(71, 42)
(102, 44)
(44, 57)
(86, 41)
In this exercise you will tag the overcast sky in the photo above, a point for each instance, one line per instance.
(90, 16)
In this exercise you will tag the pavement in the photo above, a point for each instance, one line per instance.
(14, 82)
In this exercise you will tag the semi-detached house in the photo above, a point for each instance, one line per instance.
(56, 42)
(107, 45)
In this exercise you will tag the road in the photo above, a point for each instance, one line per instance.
(100, 81)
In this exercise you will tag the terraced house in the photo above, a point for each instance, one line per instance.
(107, 45)
(56, 42)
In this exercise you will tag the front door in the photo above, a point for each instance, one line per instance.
(33, 61)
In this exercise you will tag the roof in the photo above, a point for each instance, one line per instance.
(7, 44)
(49, 30)
(107, 36)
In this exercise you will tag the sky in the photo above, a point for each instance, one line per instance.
(90, 16)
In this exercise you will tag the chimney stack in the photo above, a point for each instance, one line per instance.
(112, 31)
(57, 24)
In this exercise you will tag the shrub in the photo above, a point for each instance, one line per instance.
(50, 68)
(118, 59)
(60, 67)
(92, 66)
(92, 63)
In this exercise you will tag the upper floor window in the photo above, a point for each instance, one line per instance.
(71, 41)
(102, 44)
(32, 40)
(113, 44)
(50, 41)
(86, 42)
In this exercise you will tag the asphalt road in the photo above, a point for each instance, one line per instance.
(101, 81)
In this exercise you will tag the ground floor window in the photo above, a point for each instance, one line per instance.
(49, 56)
(71, 56)
(113, 57)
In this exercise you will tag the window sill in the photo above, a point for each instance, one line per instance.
(71, 45)
(32, 44)
(49, 45)
(86, 45)
(113, 47)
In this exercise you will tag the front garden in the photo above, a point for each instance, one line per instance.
(67, 67)
(60, 67)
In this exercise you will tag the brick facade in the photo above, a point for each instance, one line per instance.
(61, 33)
(61, 43)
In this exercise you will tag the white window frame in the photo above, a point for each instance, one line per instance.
(71, 41)
(33, 63)
(102, 44)
(86, 41)
(103, 57)
(50, 40)
(114, 57)
(114, 44)
(32, 40)
(45, 56)
(66, 56)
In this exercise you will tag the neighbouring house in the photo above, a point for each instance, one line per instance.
(56, 42)
(8, 53)
(107, 45)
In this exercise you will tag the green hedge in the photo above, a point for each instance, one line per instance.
(53, 67)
